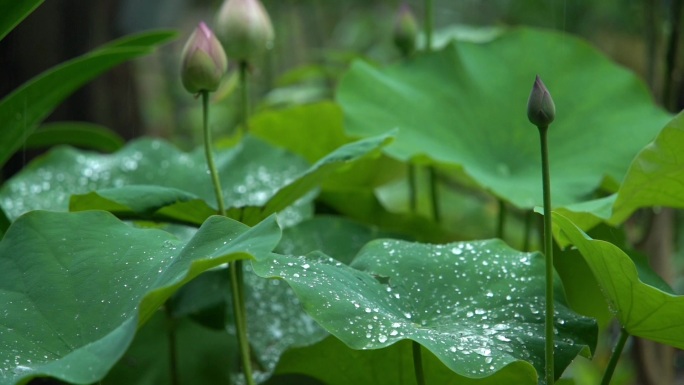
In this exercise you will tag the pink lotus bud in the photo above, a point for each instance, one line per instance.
(244, 28)
(405, 30)
(204, 61)
(540, 108)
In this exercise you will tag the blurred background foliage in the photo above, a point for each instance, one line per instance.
(316, 40)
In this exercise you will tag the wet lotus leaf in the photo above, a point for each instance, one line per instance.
(341, 158)
(276, 321)
(465, 106)
(152, 180)
(76, 286)
(251, 173)
(640, 302)
(146, 202)
(332, 235)
(334, 363)
(478, 306)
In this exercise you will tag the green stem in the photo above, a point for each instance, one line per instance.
(235, 268)
(173, 350)
(244, 95)
(210, 154)
(529, 216)
(615, 357)
(418, 363)
(236, 285)
(548, 252)
(501, 222)
(429, 25)
(434, 195)
(412, 188)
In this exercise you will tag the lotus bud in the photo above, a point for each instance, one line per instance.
(204, 61)
(244, 28)
(405, 30)
(540, 108)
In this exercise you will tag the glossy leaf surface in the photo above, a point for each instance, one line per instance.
(465, 106)
(477, 306)
(76, 286)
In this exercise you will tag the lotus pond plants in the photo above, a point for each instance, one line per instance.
(440, 217)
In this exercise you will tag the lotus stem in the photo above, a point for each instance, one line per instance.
(210, 154)
(501, 221)
(434, 195)
(429, 25)
(615, 357)
(548, 252)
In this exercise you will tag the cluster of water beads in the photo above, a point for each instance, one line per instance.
(50, 182)
(479, 303)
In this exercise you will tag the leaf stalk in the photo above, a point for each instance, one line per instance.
(615, 357)
(548, 252)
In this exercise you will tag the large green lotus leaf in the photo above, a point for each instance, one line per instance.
(146, 202)
(656, 176)
(466, 106)
(276, 321)
(363, 205)
(76, 286)
(332, 235)
(251, 173)
(334, 363)
(13, 12)
(204, 356)
(23, 109)
(311, 131)
(315, 130)
(477, 306)
(642, 309)
(327, 166)
(586, 215)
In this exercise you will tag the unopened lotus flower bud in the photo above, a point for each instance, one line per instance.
(405, 30)
(244, 28)
(540, 108)
(204, 61)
